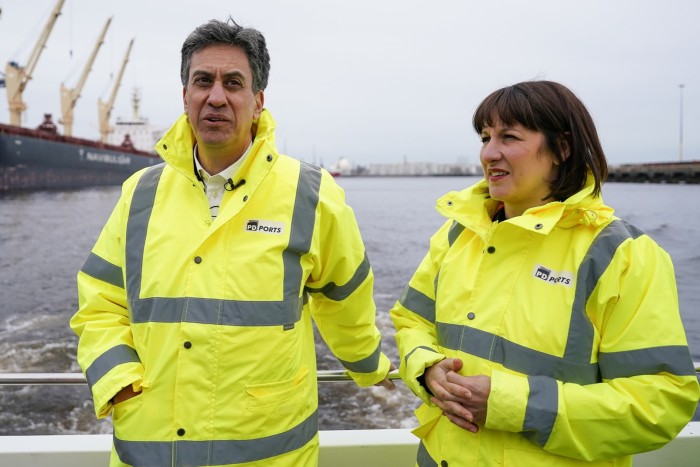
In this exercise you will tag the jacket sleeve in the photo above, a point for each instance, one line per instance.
(340, 289)
(649, 389)
(414, 318)
(105, 348)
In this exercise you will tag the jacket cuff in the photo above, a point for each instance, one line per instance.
(104, 390)
(368, 379)
(413, 368)
(507, 402)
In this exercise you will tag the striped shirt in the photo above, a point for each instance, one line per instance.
(214, 185)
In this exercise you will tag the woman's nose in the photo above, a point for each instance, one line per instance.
(490, 151)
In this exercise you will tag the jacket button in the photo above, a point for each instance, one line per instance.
(187, 344)
(538, 226)
(443, 464)
(197, 259)
(491, 249)
(181, 432)
(471, 315)
(269, 158)
(245, 198)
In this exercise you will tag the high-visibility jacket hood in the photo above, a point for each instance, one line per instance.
(473, 208)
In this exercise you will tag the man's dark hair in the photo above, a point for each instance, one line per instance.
(215, 32)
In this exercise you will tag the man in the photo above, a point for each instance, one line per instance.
(196, 301)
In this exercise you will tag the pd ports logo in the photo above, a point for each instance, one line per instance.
(268, 227)
(554, 277)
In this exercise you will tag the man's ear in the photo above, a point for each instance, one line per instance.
(259, 103)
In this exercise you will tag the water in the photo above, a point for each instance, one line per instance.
(46, 236)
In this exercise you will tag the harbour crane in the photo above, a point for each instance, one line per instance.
(17, 76)
(104, 109)
(70, 96)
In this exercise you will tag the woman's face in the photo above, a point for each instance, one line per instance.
(517, 166)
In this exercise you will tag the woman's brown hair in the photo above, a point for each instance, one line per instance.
(555, 111)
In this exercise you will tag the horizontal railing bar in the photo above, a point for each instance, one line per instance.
(50, 379)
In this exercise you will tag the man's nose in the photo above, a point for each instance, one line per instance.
(217, 95)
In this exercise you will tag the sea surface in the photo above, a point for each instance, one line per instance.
(46, 236)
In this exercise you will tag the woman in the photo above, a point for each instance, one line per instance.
(540, 329)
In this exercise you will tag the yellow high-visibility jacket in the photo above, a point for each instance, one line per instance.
(211, 320)
(572, 313)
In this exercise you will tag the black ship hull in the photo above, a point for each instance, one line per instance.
(35, 160)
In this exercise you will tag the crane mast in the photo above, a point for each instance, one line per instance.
(17, 77)
(70, 96)
(104, 109)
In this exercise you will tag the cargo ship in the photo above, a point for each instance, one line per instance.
(39, 159)
(42, 158)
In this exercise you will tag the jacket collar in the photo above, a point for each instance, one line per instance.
(176, 146)
(474, 209)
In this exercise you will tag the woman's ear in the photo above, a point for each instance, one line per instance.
(564, 146)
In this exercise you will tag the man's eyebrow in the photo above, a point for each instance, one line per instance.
(232, 74)
(235, 74)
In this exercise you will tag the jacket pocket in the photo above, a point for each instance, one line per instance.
(124, 409)
(265, 395)
(519, 457)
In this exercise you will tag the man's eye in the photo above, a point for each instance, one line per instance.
(234, 83)
(200, 81)
(485, 139)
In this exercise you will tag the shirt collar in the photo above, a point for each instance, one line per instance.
(226, 174)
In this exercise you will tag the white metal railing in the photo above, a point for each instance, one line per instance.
(45, 379)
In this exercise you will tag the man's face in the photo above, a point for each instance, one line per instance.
(219, 100)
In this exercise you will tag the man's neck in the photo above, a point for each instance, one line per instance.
(214, 163)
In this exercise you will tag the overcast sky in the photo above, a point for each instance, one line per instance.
(384, 81)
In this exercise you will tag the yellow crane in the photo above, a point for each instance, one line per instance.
(17, 77)
(104, 109)
(70, 96)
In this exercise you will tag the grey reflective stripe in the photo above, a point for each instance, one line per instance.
(514, 356)
(455, 230)
(214, 311)
(423, 458)
(673, 359)
(594, 264)
(366, 365)
(103, 270)
(302, 227)
(108, 360)
(418, 303)
(137, 226)
(215, 452)
(542, 409)
(425, 306)
(408, 355)
(341, 292)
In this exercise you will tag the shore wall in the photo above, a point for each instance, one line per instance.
(656, 172)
